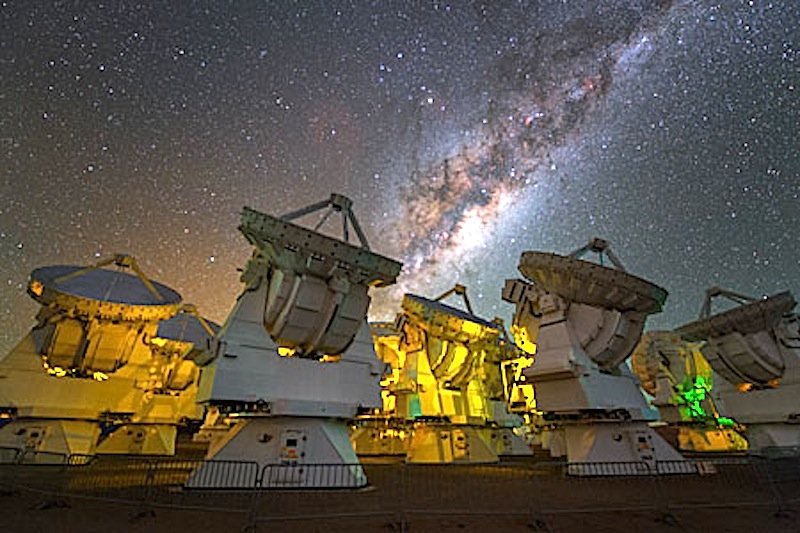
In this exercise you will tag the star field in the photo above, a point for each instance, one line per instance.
(465, 132)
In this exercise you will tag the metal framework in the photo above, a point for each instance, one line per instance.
(603, 250)
(335, 204)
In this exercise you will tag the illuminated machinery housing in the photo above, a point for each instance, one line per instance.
(295, 358)
(755, 349)
(586, 319)
(444, 399)
(107, 368)
(519, 391)
(680, 380)
(383, 432)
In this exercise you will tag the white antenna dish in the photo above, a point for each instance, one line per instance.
(97, 292)
(592, 284)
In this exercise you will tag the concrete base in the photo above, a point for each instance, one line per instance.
(215, 427)
(47, 441)
(447, 443)
(623, 448)
(505, 442)
(55, 441)
(552, 439)
(775, 435)
(139, 439)
(283, 452)
(376, 438)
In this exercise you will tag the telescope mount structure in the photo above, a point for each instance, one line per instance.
(755, 349)
(295, 361)
(107, 369)
(586, 319)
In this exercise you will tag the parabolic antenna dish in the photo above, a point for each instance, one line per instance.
(449, 321)
(103, 293)
(185, 327)
(291, 246)
(749, 318)
(592, 284)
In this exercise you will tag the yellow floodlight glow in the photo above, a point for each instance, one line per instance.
(522, 340)
(57, 371)
(521, 364)
(285, 351)
(392, 433)
(36, 287)
(471, 328)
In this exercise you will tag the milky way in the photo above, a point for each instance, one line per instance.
(550, 88)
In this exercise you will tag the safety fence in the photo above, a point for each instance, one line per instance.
(400, 493)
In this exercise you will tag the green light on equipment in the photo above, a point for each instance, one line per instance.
(415, 407)
(691, 394)
(725, 422)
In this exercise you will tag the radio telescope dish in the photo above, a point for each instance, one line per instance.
(740, 344)
(752, 317)
(93, 376)
(454, 340)
(446, 384)
(296, 355)
(440, 315)
(111, 294)
(187, 327)
(318, 285)
(755, 347)
(585, 319)
(588, 283)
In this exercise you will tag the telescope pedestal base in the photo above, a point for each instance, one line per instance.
(53, 441)
(618, 449)
(505, 443)
(772, 435)
(285, 452)
(710, 440)
(376, 438)
(140, 439)
(438, 443)
(47, 441)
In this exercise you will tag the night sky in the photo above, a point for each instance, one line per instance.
(465, 132)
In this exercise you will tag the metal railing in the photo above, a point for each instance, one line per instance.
(289, 476)
(609, 469)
